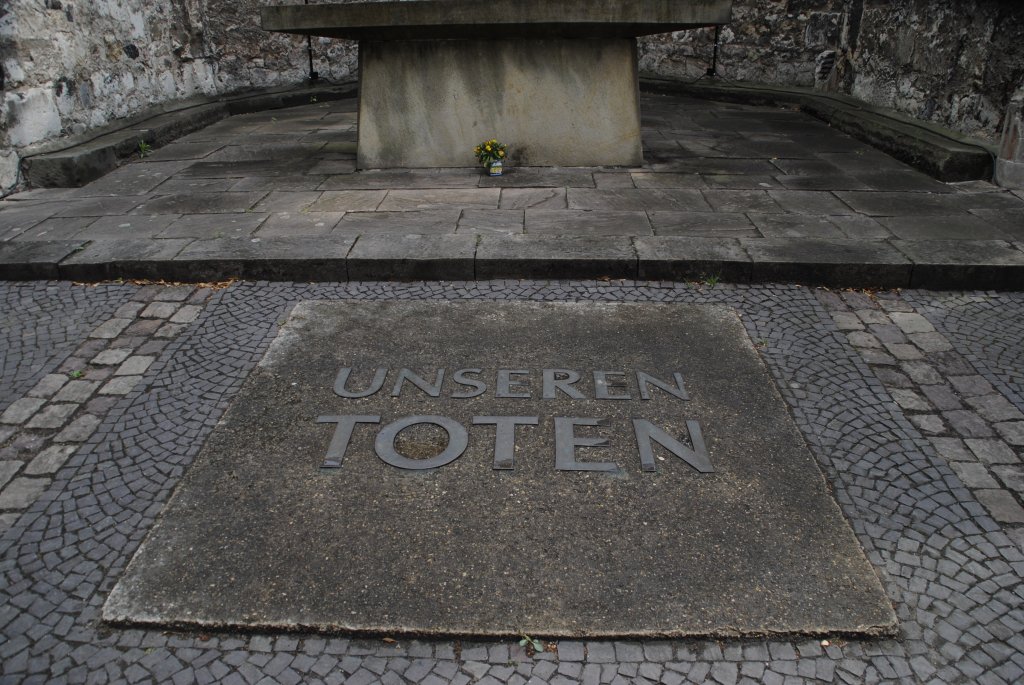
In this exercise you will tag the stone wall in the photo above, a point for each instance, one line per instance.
(247, 55)
(70, 66)
(73, 66)
(955, 62)
(770, 41)
(958, 63)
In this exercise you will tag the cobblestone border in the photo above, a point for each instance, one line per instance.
(42, 323)
(63, 409)
(987, 328)
(944, 385)
(951, 572)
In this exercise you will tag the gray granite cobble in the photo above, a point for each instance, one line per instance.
(8, 469)
(121, 385)
(949, 567)
(134, 366)
(78, 430)
(110, 329)
(22, 410)
(76, 391)
(48, 386)
(52, 416)
(21, 492)
(49, 460)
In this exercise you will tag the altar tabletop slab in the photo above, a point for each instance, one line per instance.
(259, 535)
(444, 19)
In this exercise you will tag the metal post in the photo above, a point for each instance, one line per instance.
(713, 69)
(313, 76)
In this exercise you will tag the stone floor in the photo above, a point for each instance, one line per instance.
(910, 401)
(732, 191)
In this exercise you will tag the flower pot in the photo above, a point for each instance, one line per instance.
(494, 168)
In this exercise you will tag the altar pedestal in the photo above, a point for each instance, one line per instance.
(556, 81)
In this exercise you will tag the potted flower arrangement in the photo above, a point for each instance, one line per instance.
(491, 154)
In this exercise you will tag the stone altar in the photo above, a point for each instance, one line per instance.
(557, 81)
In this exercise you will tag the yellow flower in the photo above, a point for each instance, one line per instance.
(501, 153)
(488, 148)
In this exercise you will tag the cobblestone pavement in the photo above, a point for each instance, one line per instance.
(41, 429)
(42, 323)
(908, 401)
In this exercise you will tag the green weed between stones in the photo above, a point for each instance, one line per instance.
(527, 642)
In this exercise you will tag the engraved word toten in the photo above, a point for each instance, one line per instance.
(518, 384)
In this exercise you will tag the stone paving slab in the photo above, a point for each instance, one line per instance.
(835, 262)
(943, 153)
(263, 259)
(99, 153)
(412, 257)
(713, 170)
(469, 550)
(992, 264)
(36, 259)
(555, 256)
(111, 259)
(670, 258)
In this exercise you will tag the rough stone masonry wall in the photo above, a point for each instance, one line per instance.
(958, 63)
(70, 66)
(248, 56)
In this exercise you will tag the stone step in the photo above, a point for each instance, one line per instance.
(936, 264)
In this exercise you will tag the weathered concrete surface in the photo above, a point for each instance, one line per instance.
(258, 535)
(471, 19)
(554, 102)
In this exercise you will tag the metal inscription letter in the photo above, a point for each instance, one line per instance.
(566, 442)
(342, 436)
(696, 457)
(434, 390)
(384, 445)
(643, 379)
(461, 377)
(505, 436)
(561, 379)
(342, 380)
(603, 382)
(507, 384)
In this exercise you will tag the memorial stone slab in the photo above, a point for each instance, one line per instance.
(487, 468)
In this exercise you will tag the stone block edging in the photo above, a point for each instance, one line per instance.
(979, 264)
